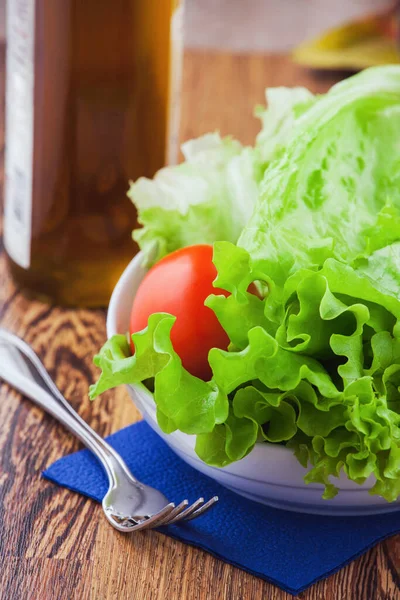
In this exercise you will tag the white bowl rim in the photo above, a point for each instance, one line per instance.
(122, 283)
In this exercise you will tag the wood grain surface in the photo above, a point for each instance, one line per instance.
(56, 545)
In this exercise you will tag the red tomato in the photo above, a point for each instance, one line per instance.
(179, 284)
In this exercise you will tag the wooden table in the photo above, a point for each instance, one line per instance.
(56, 545)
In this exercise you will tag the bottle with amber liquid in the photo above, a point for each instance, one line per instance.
(91, 102)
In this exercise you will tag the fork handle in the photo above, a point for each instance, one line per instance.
(51, 400)
(50, 405)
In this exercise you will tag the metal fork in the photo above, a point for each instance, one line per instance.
(129, 505)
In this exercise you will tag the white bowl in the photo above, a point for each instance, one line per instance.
(270, 474)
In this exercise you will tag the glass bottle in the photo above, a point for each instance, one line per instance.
(91, 102)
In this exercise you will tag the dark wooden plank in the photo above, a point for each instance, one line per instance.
(57, 545)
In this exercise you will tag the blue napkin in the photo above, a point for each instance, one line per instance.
(288, 549)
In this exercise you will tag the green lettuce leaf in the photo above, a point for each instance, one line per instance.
(335, 181)
(183, 401)
(208, 197)
(278, 120)
(344, 407)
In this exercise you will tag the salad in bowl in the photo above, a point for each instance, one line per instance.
(268, 322)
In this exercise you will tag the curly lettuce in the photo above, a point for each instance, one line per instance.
(313, 364)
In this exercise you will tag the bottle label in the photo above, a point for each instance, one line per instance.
(19, 130)
(174, 106)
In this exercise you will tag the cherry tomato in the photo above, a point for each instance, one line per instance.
(179, 284)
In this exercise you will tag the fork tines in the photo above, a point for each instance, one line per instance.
(171, 514)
